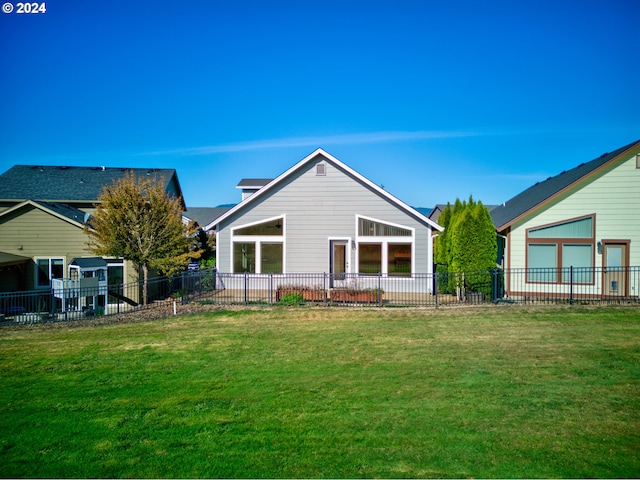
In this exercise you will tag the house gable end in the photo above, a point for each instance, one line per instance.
(317, 157)
(554, 189)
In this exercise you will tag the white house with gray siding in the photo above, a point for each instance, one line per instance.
(321, 216)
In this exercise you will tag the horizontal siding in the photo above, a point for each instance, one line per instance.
(42, 235)
(318, 208)
(615, 199)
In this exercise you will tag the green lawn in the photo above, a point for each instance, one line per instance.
(312, 392)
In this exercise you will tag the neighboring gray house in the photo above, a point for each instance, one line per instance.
(322, 216)
(203, 215)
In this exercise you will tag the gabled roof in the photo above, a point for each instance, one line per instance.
(71, 184)
(534, 197)
(275, 183)
(253, 182)
(204, 215)
(64, 212)
(89, 262)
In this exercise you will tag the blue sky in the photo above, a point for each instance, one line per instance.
(432, 99)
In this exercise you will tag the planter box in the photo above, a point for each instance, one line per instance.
(353, 297)
(475, 297)
(308, 295)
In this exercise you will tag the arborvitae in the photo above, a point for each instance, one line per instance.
(467, 245)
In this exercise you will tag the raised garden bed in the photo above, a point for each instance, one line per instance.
(308, 294)
(354, 296)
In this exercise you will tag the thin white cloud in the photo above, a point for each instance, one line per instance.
(318, 141)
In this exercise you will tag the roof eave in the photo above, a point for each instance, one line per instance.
(571, 186)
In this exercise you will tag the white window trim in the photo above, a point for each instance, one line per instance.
(385, 241)
(37, 271)
(117, 262)
(347, 253)
(258, 240)
(258, 222)
(377, 220)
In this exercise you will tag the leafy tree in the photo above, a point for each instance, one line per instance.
(138, 221)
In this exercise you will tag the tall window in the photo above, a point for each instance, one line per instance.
(259, 247)
(553, 249)
(48, 268)
(244, 257)
(115, 278)
(370, 258)
(384, 248)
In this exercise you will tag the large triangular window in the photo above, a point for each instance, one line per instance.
(372, 228)
(271, 227)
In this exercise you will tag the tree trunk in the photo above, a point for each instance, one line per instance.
(145, 278)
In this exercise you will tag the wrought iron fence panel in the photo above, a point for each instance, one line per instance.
(517, 286)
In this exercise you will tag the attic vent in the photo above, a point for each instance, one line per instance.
(637, 160)
(321, 169)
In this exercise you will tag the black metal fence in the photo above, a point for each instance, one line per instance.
(517, 286)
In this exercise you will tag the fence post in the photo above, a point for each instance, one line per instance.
(571, 285)
(270, 288)
(379, 289)
(435, 286)
(185, 288)
(245, 288)
(494, 272)
(324, 288)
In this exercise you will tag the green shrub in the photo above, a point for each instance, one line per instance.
(292, 299)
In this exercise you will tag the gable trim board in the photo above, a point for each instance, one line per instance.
(320, 212)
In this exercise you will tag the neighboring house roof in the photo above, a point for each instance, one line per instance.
(439, 208)
(275, 183)
(64, 212)
(204, 215)
(253, 182)
(535, 196)
(71, 184)
(424, 211)
(67, 211)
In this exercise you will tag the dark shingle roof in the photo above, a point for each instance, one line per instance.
(66, 211)
(253, 182)
(76, 184)
(205, 215)
(541, 191)
(89, 262)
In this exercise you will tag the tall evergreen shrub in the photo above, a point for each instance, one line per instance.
(468, 245)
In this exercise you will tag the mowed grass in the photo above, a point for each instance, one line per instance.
(312, 392)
